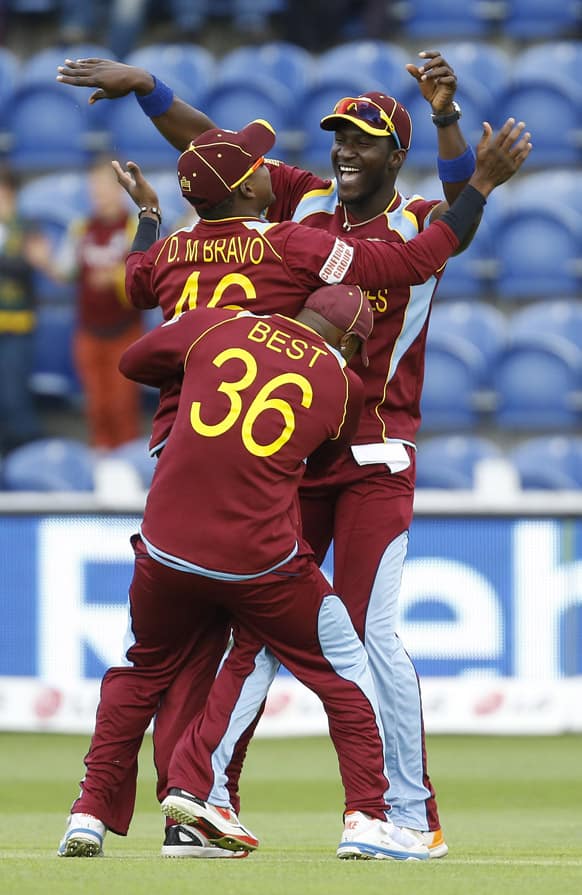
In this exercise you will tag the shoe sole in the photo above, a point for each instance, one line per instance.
(439, 851)
(199, 851)
(362, 853)
(181, 810)
(80, 848)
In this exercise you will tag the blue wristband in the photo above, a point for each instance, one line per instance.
(158, 101)
(455, 170)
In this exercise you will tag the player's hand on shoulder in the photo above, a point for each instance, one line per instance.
(436, 79)
(113, 79)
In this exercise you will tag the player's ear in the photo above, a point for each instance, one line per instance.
(247, 189)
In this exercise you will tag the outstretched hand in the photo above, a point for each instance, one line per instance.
(500, 155)
(436, 79)
(113, 79)
(135, 184)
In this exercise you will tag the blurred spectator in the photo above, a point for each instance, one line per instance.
(93, 253)
(18, 416)
(121, 23)
(314, 25)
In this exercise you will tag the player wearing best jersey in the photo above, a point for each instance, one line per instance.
(219, 536)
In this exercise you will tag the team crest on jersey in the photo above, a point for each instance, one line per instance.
(337, 262)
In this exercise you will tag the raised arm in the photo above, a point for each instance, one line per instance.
(178, 122)
(438, 84)
(499, 156)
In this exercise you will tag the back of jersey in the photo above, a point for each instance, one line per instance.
(259, 395)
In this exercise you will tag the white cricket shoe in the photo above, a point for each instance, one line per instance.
(366, 837)
(434, 841)
(83, 837)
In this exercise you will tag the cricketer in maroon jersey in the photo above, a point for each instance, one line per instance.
(272, 391)
(286, 393)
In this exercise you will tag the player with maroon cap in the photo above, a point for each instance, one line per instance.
(259, 394)
(372, 135)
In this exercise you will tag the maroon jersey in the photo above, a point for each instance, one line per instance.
(266, 267)
(258, 396)
(393, 381)
(103, 310)
(247, 262)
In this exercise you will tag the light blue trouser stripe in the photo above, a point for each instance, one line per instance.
(343, 649)
(398, 692)
(253, 692)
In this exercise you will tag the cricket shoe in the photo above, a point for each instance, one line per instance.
(434, 841)
(366, 838)
(220, 825)
(182, 841)
(83, 837)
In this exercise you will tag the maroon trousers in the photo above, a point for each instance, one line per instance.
(179, 621)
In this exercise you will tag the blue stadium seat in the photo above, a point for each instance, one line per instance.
(453, 372)
(554, 188)
(540, 19)
(553, 58)
(187, 68)
(54, 372)
(9, 69)
(136, 453)
(479, 324)
(56, 197)
(551, 109)
(538, 384)
(232, 104)
(479, 61)
(51, 464)
(549, 462)
(133, 138)
(49, 129)
(448, 461)
(381, 63)
(469, 274)
(447, 18)
(557, 317)
(318, 101)
(538, 252)
(287, 64)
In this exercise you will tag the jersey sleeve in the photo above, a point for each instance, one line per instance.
(139, 269)
(290, 184)
(316, 257)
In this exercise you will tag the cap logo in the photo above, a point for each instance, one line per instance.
(185, 184)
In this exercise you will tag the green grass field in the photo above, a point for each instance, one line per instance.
(511, 809)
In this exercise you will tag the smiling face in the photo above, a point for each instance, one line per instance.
(365, 167)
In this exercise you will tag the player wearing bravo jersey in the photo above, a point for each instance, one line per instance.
(372, 136)
(259, 394)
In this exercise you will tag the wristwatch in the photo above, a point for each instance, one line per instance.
(152, 209)
(445, 120)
